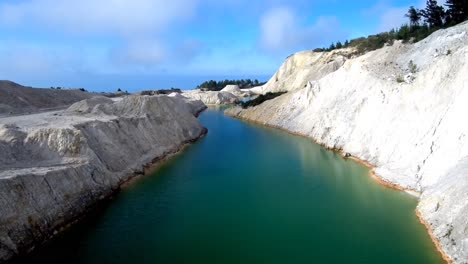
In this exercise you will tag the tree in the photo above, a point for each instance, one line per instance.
(457, 10)
(404, 33)
(339, 45)
(414, 16)
(332, 47)
(434, 14)
(213, 85)
(346, 44)
(119, 90)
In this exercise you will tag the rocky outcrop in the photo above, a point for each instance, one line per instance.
(213, 97)
(55, 166)
(411, 129)
(300, 68)
(195, 106)
(235, 90)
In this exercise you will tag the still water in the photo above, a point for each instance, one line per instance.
(249, 194)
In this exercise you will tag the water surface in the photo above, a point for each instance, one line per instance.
(249, 194)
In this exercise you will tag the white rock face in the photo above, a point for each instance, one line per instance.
(234, 89)
(413, 132)
(300, 68)
(55, 166)
(213, 97)
(195, 106)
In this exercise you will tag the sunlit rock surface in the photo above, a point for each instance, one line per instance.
(54, 166)
(409, 124)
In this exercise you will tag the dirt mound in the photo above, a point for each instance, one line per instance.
(18, 99)
(89, 105)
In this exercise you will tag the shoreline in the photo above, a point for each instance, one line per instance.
(103, 201)
(365, 163)
(434, 239)
(156, 163)
(372, 174)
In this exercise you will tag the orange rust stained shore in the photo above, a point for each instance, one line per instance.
(433, 238)
(372, 174)
(379, 180)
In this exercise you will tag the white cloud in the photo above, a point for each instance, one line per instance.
(152, 53)
(26, 60)
(279, 29)
(143, 52)
(282, 30)
(393, 18)
(23, 59)
(139, 27)
(88, 16)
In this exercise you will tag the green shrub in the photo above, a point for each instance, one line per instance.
(412, 67)
(213, 85)
(404, 33)
(260, 99)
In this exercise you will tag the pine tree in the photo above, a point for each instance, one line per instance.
(414, 16)
(457, 10)
(332, 47)
(339, 45)
(346, 44)
(434, 14)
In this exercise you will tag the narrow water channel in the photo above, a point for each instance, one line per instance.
(249, 194)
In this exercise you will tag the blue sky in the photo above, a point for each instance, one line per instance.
(148, 44)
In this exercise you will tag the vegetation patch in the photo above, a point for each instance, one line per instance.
(422, 23)
(260, 99)
(213, 85)
(413, 68)
(400, 79)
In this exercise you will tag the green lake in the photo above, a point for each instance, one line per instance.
(250, 194)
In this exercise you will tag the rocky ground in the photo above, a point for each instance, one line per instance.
(54, 166)
(401, 108)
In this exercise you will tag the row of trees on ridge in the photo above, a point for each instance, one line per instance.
(422, 23)
(213, 85)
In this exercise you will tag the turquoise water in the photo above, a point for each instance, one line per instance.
(249, 194)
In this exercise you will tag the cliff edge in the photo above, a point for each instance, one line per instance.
(54, 166)
(401, 108)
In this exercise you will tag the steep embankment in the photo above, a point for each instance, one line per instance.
(401, 108)
(55, 166)
(17, 99)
